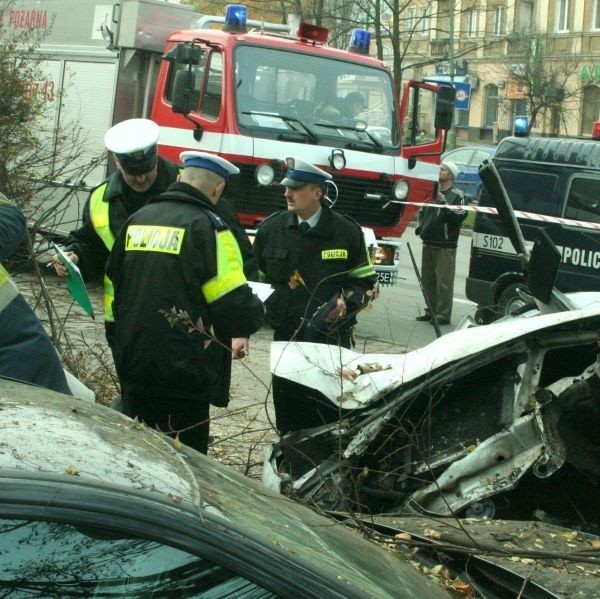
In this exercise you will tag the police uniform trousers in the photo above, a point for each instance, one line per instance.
(175, 416)
(437, 273)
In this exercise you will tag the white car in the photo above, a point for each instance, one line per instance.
(487, 420)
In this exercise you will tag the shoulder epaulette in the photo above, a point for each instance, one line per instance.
(262, 222)
(218, 223)
(351, 219)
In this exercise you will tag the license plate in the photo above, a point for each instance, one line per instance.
(386, 277)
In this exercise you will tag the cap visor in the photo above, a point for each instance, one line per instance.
(287, 182)
(138, 167)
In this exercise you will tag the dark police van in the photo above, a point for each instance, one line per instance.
(555, 182)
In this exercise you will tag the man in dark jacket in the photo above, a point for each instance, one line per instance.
(182, 303)
(26, 351)
(319, 266)
(140, 174)
(439, 228)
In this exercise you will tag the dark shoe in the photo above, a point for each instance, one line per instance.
(423, 318)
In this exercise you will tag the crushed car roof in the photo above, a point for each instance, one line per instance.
(352, 380)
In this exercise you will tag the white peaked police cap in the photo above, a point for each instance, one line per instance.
(132, 135)
(210, 162)
(133, 142)
(300, 173)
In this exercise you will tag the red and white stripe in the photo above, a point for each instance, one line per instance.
(518, 213)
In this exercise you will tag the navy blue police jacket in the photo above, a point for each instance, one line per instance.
(153, 350)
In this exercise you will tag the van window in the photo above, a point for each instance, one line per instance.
(583, 201)
(532, 191)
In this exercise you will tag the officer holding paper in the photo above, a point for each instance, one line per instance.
(319, 266)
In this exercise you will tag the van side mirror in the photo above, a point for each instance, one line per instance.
(444, 108)
(184, 94)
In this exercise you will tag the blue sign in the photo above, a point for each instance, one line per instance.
(462, 100)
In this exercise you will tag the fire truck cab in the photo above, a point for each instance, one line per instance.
(256, 93)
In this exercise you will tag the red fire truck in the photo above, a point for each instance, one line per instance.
(255, 93)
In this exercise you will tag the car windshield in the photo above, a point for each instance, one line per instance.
(55, 559)
(297, 96)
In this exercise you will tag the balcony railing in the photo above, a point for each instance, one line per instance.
(440, 47)
(516, 46)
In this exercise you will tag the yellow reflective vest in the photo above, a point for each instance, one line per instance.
(99, 215)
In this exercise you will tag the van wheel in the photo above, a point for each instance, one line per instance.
(510, 301)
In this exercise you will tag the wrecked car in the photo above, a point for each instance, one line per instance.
(498, 420)
(453, 427)
(94, 504)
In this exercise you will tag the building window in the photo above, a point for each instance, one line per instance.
(525, 16)
(596, 15)
(461, 118)
(472, 22)
(412, 19)
(590, 109)
(562, 15)
(498, 25)
(491, 105)
(423, 22)
(519, 108)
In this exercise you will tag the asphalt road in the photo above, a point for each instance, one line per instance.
(392, 317)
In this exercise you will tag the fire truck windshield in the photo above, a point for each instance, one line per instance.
(303, 97)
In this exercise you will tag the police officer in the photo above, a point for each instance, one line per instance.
(182, 303)
(140, 174)
(26, 351)
(319, 266)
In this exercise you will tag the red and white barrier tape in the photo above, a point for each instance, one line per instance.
(518, 213)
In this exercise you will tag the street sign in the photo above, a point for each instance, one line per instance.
(462, 100)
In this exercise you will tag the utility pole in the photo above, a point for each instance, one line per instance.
(451, 137)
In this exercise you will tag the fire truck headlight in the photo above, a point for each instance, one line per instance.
(385, 254)
(265, 174)
(382, 255)
(337, 160)
(400, 189)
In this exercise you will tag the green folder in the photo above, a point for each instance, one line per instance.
(75, 283)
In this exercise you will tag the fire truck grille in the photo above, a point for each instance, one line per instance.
(363, 200)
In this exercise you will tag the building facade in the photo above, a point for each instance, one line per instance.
(506, 52)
